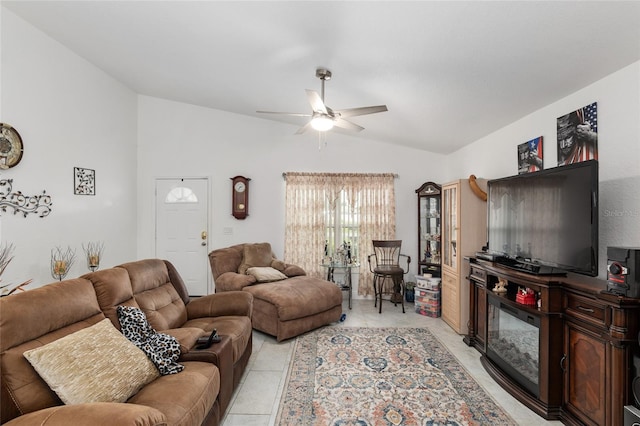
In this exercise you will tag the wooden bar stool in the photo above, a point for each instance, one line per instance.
(384, 264)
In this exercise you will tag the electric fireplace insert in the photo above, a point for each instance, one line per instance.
(513, 342)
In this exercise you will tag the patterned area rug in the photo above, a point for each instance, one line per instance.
(343, 376)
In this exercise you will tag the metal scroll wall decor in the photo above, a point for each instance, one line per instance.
(20, 203)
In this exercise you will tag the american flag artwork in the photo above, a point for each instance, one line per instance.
(590, 115)
(578, 135)
(530, 156)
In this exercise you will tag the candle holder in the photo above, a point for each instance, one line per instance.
(93, 252)
(61, 262)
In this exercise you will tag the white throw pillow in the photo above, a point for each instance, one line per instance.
(266, 274)
(95, 364)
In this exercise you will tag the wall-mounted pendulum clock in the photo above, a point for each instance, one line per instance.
(240, 197)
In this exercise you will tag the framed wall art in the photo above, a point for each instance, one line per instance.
(84, 181)
(578, 135)
(530, 156)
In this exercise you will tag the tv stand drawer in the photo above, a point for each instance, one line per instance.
(585, 309)
(478, 274)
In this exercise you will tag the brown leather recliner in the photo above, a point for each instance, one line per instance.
(42, 315)
(285, 308)
(155, 286)
(36, 317)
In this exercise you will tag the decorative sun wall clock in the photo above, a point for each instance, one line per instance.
(11, 147)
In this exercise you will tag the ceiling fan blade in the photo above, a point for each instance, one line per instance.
(352, 112)
(304, 128)
(295, 114)
(344, 124)
(317, 105)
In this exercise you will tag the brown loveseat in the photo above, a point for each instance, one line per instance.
(197, 395)
(283, 307)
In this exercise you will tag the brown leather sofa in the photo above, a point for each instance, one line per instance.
(198, 395)
(285, 308)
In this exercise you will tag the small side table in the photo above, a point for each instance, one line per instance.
(346, 286)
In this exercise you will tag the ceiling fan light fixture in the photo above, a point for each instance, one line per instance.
(324, 118)
(322, 123)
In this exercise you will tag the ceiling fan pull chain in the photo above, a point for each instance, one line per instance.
(322, 137)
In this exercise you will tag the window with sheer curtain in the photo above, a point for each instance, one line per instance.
(332, 208)
(342, 226)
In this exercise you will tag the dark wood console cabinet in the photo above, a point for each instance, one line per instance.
(588, 341)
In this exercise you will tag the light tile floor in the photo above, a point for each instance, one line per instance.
(256, 400)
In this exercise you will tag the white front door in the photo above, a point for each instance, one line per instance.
(181, 229)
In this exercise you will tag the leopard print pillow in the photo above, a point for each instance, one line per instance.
(163, 350)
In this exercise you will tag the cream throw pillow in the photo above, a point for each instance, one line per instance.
(95, 364)
(266, 274)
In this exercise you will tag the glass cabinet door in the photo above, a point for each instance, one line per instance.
(429, 237)
(450, 212)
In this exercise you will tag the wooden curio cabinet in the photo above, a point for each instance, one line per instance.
(464, 224)
(429, 241)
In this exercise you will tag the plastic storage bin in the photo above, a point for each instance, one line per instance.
(427, 302)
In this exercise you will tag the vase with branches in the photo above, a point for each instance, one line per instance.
(6, 256)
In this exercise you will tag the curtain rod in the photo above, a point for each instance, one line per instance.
(395, 175)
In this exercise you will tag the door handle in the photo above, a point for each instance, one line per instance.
(203, 235)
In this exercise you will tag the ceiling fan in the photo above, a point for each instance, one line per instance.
(324, 118)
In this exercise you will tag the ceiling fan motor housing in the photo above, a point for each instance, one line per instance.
(323, 74)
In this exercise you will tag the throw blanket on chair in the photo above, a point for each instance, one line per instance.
(163, 350)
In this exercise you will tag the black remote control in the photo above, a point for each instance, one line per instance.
(205, 342)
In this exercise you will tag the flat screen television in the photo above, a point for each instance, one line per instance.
(546, 222)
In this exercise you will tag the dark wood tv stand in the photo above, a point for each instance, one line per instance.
(588, 341)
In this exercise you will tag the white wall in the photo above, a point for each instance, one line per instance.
(181, 140)
(69, 114)
(618, 97)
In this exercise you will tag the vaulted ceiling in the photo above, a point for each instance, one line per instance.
(450, 72)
